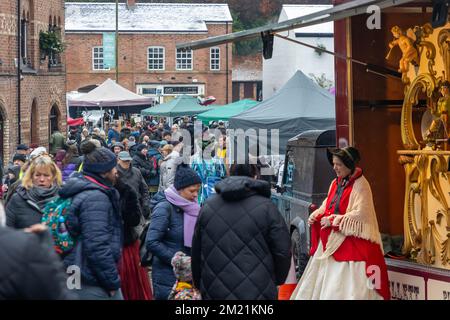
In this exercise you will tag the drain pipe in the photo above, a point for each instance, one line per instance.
(19, 42)
(227, 71)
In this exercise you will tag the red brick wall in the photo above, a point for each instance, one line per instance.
(46, 87)
(133, 62)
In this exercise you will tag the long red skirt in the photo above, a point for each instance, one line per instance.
(134, 278)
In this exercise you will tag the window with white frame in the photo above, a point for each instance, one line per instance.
(97, 59)
(184, 59)
(214, 59)
(156, 56)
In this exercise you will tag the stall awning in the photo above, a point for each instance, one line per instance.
(227, 111)
(338, 12)
(110, 94)
(183, 105)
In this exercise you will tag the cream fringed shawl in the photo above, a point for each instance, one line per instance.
(359, 220)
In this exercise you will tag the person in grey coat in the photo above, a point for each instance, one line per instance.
(169, 165)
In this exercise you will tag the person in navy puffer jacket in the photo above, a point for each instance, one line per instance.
(174, 213)
(94, 220)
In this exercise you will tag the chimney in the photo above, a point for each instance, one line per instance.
(131, 4)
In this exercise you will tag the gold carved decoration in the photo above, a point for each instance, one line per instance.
(426, 220)
(412, 45)
(423, 83)
(444, 49)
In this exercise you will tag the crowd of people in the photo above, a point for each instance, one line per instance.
(130, 193)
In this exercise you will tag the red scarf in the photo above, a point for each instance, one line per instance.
(353, 248)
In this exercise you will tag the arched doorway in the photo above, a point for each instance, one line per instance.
(2, 127)
(54, 119)
(34, 123)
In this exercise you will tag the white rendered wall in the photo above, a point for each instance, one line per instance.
(288, 57)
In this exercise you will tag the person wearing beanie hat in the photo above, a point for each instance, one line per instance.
(174, 214)
(141, 147)
(19, 159)
(185, 177)
(346, 220)
(95, 219)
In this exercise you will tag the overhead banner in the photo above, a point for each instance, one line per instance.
(109, 50)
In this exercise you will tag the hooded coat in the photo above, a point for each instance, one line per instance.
(72, 166)
(94, 220)
(241, 247)
(165, 237)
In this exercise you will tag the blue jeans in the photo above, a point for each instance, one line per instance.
(96, 293)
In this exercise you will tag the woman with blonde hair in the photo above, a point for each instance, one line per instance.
(40, 184)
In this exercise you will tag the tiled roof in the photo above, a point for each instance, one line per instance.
(144, 17)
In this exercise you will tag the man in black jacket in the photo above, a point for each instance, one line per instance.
(29, 267)
(241, 247)
(141, 162)
(133, 177)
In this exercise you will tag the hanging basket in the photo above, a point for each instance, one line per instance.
(50, 42)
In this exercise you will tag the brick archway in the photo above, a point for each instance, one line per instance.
(54, 119)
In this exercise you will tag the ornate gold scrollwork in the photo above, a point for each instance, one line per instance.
(444, 49)
(425, 83)
(427, 237)
(427, 193)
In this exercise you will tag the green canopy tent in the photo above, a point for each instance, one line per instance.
(183, 105)
(227, 111)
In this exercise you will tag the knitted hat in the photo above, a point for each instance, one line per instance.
(141, 147)
(181, 264)
(20, 157)
(185, 177)
(98, 160)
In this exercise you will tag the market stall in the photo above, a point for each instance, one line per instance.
(111, 97)
(224, 113)
(300, 105)
(183, 105)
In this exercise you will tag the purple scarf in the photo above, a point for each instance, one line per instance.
(191, 210)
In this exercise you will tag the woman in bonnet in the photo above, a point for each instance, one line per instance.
(347, 260)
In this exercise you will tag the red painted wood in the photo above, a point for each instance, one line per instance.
(340, 47)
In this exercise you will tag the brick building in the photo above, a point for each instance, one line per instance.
(42, 84)
(247, 77)
(149, 62)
